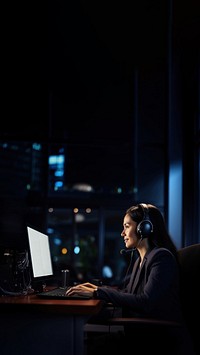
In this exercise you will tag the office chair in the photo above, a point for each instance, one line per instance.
(189, 260)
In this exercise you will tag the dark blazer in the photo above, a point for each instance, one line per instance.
(152, 292)
(153, 288)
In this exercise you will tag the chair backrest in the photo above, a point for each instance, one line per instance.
(189, 259)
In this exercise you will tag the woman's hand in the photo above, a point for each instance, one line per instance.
(83, 289)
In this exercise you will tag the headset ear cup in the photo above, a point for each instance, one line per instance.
(145, 228)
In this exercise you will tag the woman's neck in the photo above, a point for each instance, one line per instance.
(143, 247)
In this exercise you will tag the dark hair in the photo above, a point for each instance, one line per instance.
(160, 236)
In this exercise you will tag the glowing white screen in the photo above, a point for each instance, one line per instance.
(40, 253)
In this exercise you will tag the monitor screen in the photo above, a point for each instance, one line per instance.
(40, 254)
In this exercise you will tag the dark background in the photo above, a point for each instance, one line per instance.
(116, 85)
(69, 74)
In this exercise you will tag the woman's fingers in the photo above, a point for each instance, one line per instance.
(85, 287)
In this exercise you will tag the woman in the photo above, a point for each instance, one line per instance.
(153, 287)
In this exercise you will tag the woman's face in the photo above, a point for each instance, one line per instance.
(129, 232)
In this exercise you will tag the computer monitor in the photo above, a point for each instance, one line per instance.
(40, 256)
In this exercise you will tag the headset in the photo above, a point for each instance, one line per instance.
(145, 227)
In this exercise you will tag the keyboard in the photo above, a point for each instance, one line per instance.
(60, 293)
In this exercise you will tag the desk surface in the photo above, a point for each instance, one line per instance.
(32, 302)
(32, 325)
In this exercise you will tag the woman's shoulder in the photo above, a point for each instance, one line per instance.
(158, 251)
(162, 257)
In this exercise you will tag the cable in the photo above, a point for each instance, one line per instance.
(20, 281)
(11, 293)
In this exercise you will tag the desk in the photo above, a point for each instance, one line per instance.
(30, 325)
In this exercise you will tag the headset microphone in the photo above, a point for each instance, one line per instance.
(126, 251)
